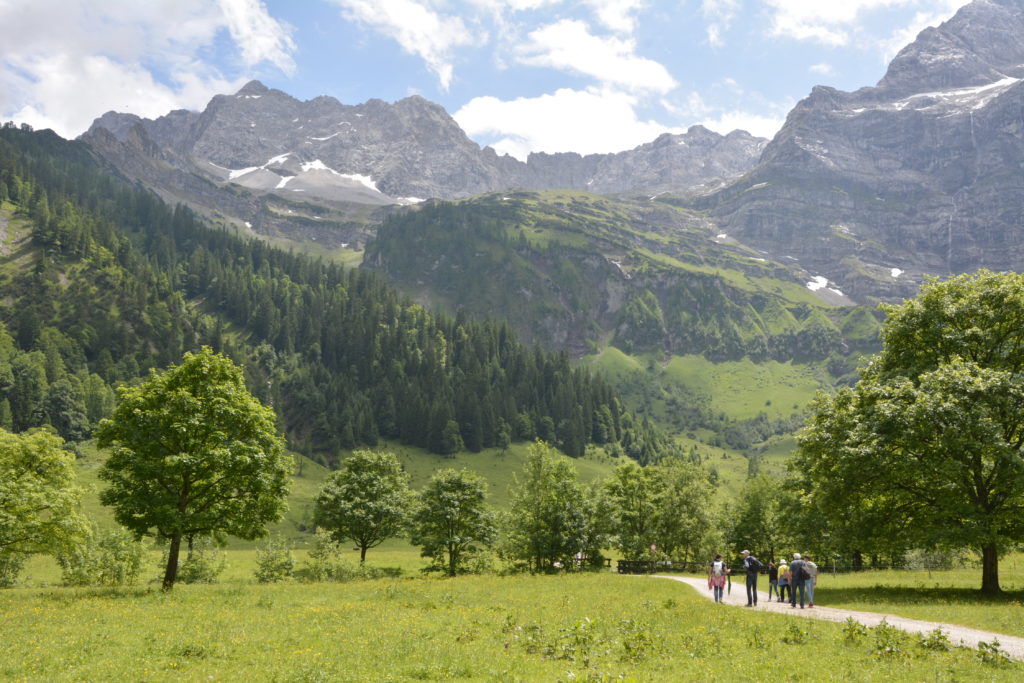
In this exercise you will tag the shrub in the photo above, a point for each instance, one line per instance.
(936, 640)
(10, 568)
(325, 563)
(107, 557)
(890, 642)
(853, 630)
(275, 560)
(991, 653)
(203, 564)
(934, 560)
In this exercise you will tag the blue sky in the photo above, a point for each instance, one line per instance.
(519, 75)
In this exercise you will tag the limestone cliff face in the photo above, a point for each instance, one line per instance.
(922, 174)
(411, 150)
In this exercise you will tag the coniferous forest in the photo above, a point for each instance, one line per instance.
(116, 282)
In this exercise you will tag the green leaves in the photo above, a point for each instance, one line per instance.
(926, 448)
(452, 520)
(194, 453)
(39, 500)
(366, 501)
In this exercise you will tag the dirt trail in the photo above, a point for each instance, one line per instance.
(962, 635)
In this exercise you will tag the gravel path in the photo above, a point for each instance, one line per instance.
(968, 637)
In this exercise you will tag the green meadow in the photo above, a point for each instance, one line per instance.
(949, 596)
(496, 467)
(594, 627)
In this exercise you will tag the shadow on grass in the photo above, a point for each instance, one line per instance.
(71, 594)
(913, 595)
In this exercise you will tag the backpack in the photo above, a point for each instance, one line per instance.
(717, 568)
(800, 573)
(754, 564)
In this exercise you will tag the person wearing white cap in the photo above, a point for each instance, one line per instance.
(798, 581)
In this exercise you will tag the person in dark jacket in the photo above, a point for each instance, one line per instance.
(752, 568)
(773, 580)
(798, 580)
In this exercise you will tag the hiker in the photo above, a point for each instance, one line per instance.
(773, 580)
(717, 573)
(753, 568)
(797, 581)
(784, 577)
(812, 578)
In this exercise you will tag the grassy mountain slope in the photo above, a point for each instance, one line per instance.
(114, 282)
(694, 330)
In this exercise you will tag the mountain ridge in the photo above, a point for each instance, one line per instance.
(918, 175)
(408, 150)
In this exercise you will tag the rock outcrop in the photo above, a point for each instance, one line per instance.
(921, 174)
(380, 153)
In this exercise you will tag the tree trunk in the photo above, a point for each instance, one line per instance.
(171, 573)
(453, 561)
(362, 554)
(858, 561)
(990, 569)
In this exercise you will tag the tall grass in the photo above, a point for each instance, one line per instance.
(484, 628)
(950, 596)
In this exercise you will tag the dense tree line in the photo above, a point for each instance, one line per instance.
(126, 283)
(546, 268)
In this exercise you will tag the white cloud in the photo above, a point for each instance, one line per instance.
(65, 62)
(822, 68)
(754, 123)
(596, 120)
(834, 22)
(720, 14)
(691, 107)
(569, 46)
(260, 37)
(617, 14)
(418, 29)
(902, 37)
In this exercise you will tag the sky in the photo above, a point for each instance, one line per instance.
(589, 76)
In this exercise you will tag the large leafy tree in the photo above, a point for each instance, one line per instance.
(367, 501)
(452, 520)
(194, 454)
(667, 505)
(685, 521)
(760, 519)
(39, 499)
(634, 493)
(551, 517)
(926, 448)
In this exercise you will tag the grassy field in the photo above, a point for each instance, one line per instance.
(496, 468)
(594, 627)
(950, 596)
(742, 389)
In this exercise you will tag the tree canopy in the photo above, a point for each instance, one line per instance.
(551, 518)
(194, 454)
(39, 498)
(367, 501)
(452, 520)
(925, 450)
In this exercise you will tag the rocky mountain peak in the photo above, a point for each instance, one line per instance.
(983, 43)
(253, 88)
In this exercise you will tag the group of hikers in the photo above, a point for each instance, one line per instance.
(799, 576)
